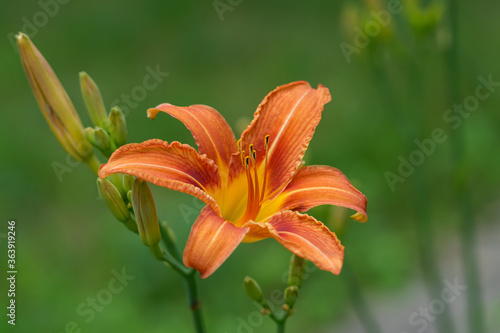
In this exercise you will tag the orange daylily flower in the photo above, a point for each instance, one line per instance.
(255, 187)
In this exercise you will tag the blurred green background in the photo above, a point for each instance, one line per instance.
(385, 95)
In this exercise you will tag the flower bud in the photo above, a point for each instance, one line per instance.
(113, 199)
(102, 141)
(54, 102)
(297, 271)
(127, 182)
(145, 213)
(291, 294)
(117, 126)
(253, 289)
(89, 134)
(93, 101)
(117, 180)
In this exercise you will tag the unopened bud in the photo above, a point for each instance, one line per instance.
(291, 294)
(113, 199)
(102, 141)
(89, 134)
(145, 213)
(117, 126)
(117, 180)
(54, 103)
(128, 182)
(253, 289)
(296, 271)
(93, 101)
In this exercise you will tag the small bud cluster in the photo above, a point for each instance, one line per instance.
(295, 277)
(129, 199)
(110, 131)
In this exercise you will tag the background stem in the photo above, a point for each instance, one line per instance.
(359, 303)
(194, 302)
(467, 223)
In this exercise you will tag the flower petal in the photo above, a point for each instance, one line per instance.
(303, 235)
(321, 185)
(213, 135)
(175, 166)
(211, 241)
(289, 115)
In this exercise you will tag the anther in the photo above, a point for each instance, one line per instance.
(238, 143)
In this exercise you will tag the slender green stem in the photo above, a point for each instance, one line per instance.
(281, 326)
(194, 302)
(93, 163)
(175, 265)
(467, 223)
(280, 319)
(169, 242)
(173, 258)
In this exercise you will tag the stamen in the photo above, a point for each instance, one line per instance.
(239, 144)
(251, 198)
(266, 144)
(255, 196)
(242, 156)
(254, 159)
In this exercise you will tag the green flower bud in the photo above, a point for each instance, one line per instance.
(54, 103)
(253, 289)
(113, 199)
(117, 126)
(297, 271)
(145, 213)
(93, 101)
(128, 182)
(117, 180)
(103, 141)
(89, 134)
(291, 294)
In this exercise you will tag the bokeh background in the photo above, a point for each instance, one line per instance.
(389, 89)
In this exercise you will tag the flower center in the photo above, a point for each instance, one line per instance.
(255, 194)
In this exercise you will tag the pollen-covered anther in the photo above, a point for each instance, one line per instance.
(239, 144)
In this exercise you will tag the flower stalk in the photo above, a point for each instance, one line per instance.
(467, 223)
